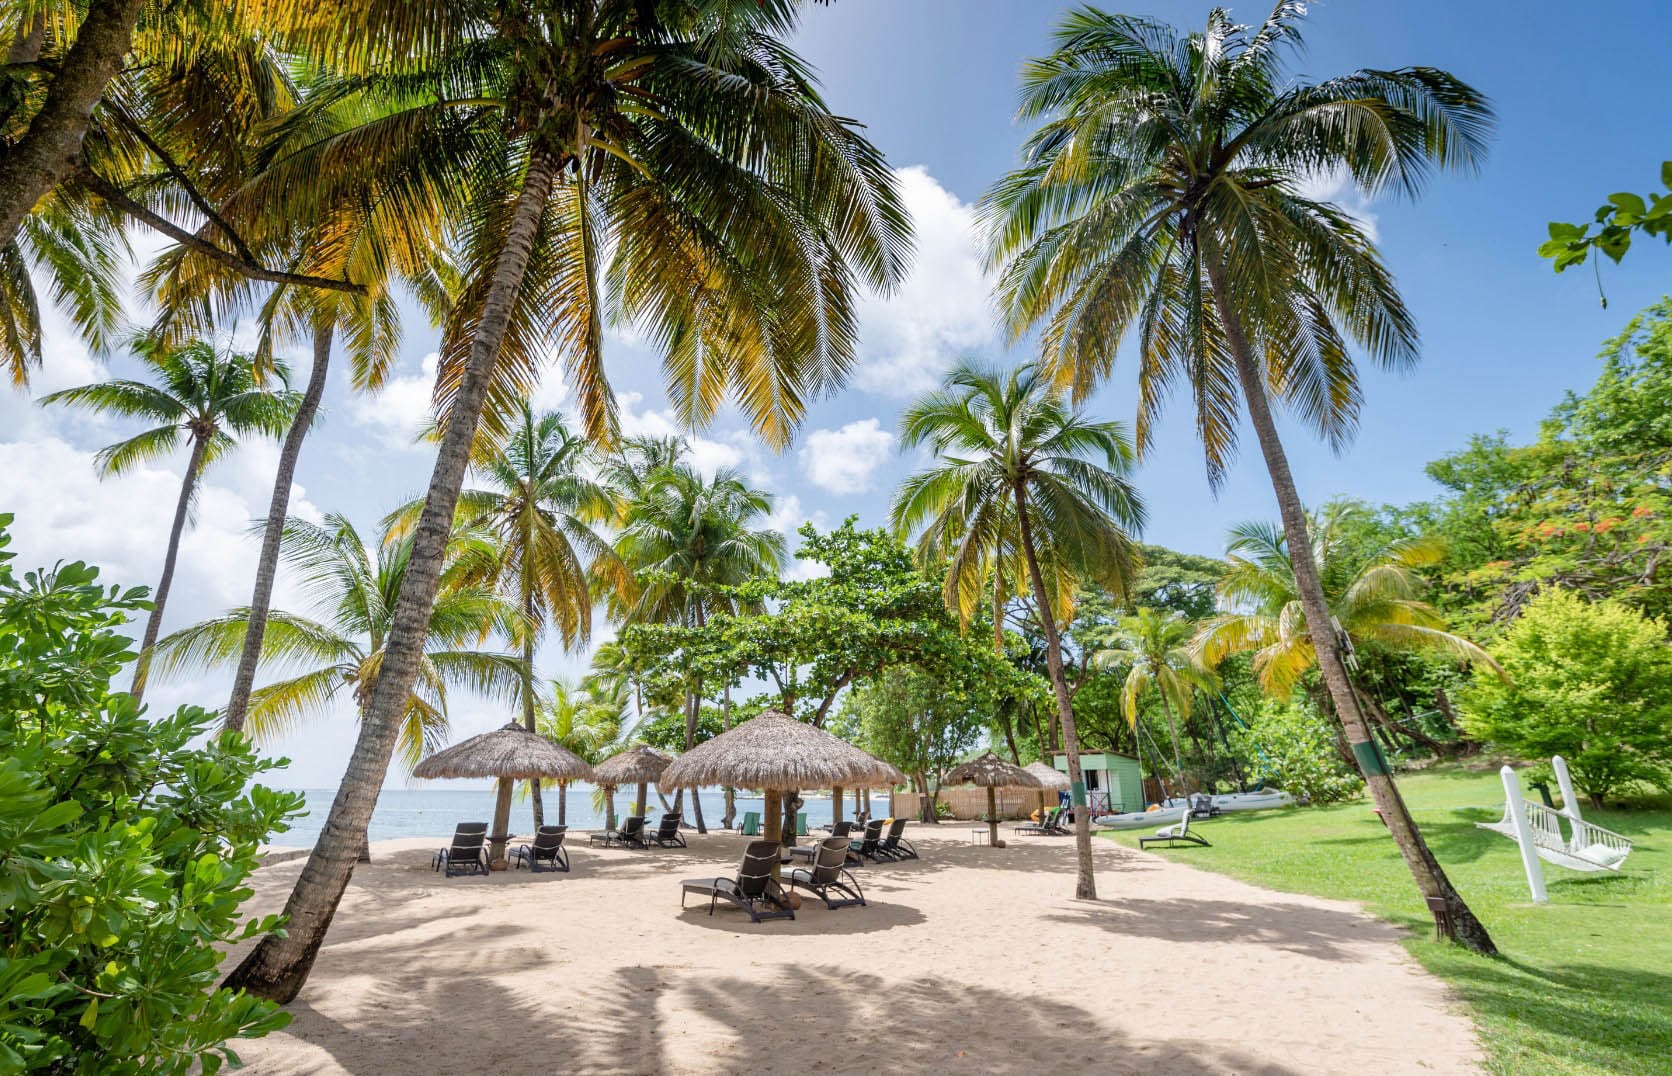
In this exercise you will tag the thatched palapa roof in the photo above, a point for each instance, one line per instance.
(990, 771)
(631, 766)
(775, 751)
(511, 751)
(1048, 777)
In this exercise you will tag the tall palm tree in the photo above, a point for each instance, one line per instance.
(1020, 470)
(1154, 648)
(203, 397)
(541, 506)
(682, 135)
(1373, 596)
(685, 537)
(341, 650)
(586, 719)
(1167, 187)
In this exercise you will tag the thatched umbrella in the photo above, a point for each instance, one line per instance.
(1050, 779)
(510, 754)
(776, 754)
(991, 772)
(637, 765)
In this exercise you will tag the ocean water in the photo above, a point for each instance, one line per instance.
(433, 812)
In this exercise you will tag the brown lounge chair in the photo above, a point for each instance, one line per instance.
(754, 889)
(810, 852)
(829, 875)
(666, 834)
(547, 848)
(630, 834)
(869, 844)
(468, 854)
(1047, 826)
(894, 846)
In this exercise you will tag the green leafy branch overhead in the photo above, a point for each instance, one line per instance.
(1616, 220)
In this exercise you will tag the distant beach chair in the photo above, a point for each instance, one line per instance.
(631, 834)
(468, 854)
(666, 834)
(810, 852)
(751, 824)
(829, 875)
(1201, 806)
(1047, 826)
(866, 847)
(547, 847)
(1176, 833)
(895, 846)
(754, 889)
(801, 824)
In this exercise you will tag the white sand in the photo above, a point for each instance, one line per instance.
(972, 959)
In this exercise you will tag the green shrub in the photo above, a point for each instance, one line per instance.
(1292, 746)
(1591, 682)
(124, 849)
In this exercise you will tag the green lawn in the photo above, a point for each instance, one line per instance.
(1584, 983)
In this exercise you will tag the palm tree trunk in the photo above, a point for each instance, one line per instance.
(730, 792)
(278, 509)
(692, 712)
(278, 966)
(1430, 878)
(51, 148)
(1173, 731)
(528, 684)
(1085, 885)
(154, 622)
(563, 803)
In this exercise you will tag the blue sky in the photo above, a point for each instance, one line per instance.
(1580, 115)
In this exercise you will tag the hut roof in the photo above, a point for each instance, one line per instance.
(631, 766)
(990, 771)
(776, 751)
(1048, 777)
(511, 751)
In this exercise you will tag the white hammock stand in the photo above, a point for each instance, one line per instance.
(1538, 831)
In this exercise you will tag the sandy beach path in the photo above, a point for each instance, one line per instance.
(970, 960)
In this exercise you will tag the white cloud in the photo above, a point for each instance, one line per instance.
(843, 460)
(941, 313)
(400, 409)
(1337, 186)
(707, 454)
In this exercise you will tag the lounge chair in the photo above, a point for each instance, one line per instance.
(666, 834)
(1201, 807)
(754, 889)
(801, 824)
(751, 824)
(1173, 834)
(1045, 827)
(547, 848)
(631, 834)
(868, 845)
(829, 875)
(810, 852)
(894, 846)
(468, 854)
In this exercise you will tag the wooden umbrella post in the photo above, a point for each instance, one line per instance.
(771, 807)
(644, 797)
(993, 818)
(501, 823)
(835, 804)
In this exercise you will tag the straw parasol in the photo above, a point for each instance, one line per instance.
(776, 754)
(510, 754)
(1050, 779)
(991, 772)
(635, 766)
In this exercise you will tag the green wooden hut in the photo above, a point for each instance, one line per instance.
(1114, 783)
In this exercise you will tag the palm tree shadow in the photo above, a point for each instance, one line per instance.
(1298, 928)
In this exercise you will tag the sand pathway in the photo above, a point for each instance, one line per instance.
(971, 959)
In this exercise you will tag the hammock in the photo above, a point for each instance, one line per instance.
(1589, 848)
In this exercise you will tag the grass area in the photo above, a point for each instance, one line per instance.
(1583, 984)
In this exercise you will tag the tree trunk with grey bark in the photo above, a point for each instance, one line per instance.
(154, 622)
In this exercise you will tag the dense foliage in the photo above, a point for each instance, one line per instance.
(124, 849)
(1592, 682)
(1291, 746)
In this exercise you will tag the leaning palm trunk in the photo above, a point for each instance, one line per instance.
(730, 792)
(278, 508)
(528, 690)
(1173, 732)
(1430, 877)
(154, 622)
(278, 966)
(1085, 885)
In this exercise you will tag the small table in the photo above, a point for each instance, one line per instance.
(981, 836)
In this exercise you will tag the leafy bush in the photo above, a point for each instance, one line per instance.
(1292, 746)
(1591, 682)
(124, 850)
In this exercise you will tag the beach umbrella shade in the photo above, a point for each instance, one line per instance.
(635, 766)
(1050, 779)
(991, 772)
(777, 754)
(509, 755)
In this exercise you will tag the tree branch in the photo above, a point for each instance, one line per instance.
(180, 177)
(113, 194)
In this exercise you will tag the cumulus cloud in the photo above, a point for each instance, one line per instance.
(1337, 186)
(707, 454)
(844, 460)
(395, 414)
(941, 313)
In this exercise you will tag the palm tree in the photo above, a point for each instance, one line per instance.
(686, 138)
(1373, 597)
(340, 651)
(79, 249)
(202, 396)
(1167, 187)
(584, 719)
(1153, 647)
(1019, 470)
(686, 538)
(541, 506)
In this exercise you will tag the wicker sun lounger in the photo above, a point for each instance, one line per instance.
(666, 834)
(754, 889)
(468, 854)
(828, 875)
(631, 834)
(545, 852)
